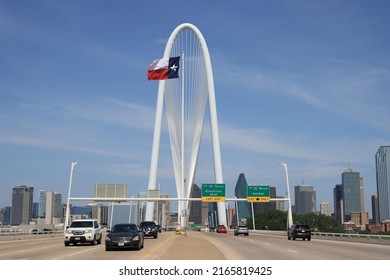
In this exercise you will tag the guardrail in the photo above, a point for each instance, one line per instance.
(362, 238)
(352, 237)
(10, 235)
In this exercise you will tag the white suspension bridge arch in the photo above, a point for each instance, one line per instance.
(186, 99)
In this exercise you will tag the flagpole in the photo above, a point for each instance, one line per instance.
(182, 136)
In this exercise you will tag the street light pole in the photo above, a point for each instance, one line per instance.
(227, 214)
(289, 213)
(237, 216)
(131, 206)
(69, 190)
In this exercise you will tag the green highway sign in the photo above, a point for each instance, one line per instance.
(258, 193)
(213, 192)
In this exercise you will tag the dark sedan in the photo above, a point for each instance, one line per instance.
(124, 236)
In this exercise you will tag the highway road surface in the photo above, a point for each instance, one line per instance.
(197, 246)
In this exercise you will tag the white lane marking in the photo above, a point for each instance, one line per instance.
(77, 253)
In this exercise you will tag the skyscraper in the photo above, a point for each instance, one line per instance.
(375, 209)
(305, 199)
(198, 209)
(42, 203)
(351, 192)
(262, 207)
(382, 159)
(244, 210)
(22, 205)
(53, 213)
(338, 203)
(362, 206)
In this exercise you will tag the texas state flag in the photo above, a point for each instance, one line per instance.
(164, 68)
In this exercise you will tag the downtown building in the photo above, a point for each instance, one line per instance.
(198, 209)
(244, 208)
(49, 210)
(351, 193)
(53, 213)
(22, 205)
(305, 199)
(382, 160)
(349, 201)
(375, 210)
(325, 208)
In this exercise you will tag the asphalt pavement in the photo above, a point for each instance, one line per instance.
(192, 247)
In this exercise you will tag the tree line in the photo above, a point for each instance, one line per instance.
(277, 220)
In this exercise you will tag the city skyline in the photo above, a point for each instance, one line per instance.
(304, 196)
(279, 193)
(303, 83)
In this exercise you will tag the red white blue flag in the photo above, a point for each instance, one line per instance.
(164, 68)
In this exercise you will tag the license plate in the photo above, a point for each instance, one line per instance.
(121, 244)
(303, 230)
(77, 238)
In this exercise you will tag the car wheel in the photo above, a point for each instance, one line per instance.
(309, 238)
(108, 249)
(67, 243)
(155, 236)
(247, 234)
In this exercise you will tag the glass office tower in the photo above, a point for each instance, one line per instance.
(351, 193)
(382, 159)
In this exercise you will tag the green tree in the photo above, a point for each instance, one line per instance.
(271, 220)
(277, 220)
(319, 222)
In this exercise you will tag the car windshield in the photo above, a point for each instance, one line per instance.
(81, 224)
(124, 228)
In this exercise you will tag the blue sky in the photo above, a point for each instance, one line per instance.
(305, 82)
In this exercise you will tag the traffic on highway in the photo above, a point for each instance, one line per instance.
(194, 245)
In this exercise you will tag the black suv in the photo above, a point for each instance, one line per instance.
(149, 228)
(299, 231)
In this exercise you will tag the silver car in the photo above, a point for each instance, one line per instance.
(241, 230)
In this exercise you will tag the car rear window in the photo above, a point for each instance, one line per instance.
(124, 228)
(150, 224)
(303, 226)
(81, 224)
